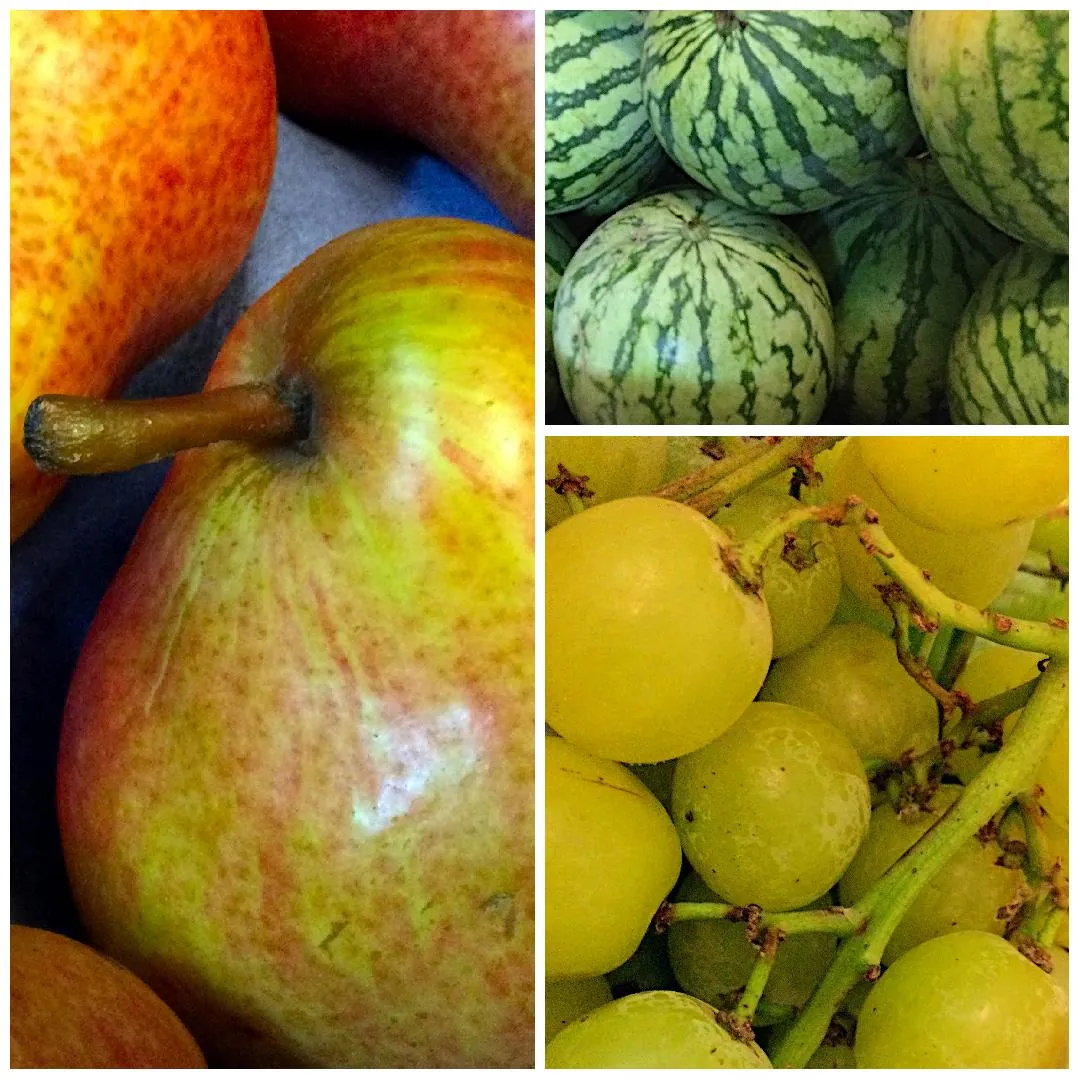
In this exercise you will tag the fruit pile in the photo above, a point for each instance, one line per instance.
(780, 216)
(288, 781)
(807, 766)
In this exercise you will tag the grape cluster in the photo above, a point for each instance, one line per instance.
(782, 677)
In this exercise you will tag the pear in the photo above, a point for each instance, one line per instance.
(460, 82)
(295, 783)
(72, 1008)
(142, 147)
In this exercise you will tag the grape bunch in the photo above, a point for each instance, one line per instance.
(807, 757)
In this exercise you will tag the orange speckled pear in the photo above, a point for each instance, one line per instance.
(142, 146)
(296, 772)
(72, 1008)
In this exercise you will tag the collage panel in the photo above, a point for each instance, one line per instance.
(272, 701)
(793, 217)
(806, 790)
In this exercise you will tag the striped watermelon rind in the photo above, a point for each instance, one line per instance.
(684, 309)
(1009, 362)
(599, 151)
(780, 111)
(990, 90)
(559, 244)
(901, 257)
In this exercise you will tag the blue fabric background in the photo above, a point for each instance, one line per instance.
(61, 567)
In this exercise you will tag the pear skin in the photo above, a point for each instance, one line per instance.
(296, 772)
(142, 146)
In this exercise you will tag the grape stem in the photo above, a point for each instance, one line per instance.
(931, 609)
(936, 607)
(715, 485)
(759, 975)
(693, 483)
(886, 903)
(955, 657)
(989, 712)
(841, 922)
(914, 664)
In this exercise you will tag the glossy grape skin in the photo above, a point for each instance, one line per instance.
(652, 648)
(800, 601)
(712, 957)
(973, 568)
(965, 894)
(963, 484)
(565, 1002)
(612, 855)
(772, 812)
(1028, 596)
(850, 675)
(616, 467)
(966, 1000)
(1059, 957)
(660, 1029)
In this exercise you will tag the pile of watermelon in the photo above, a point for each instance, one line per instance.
(779, 217)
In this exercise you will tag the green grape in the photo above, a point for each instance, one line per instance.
(1028, 596)
(772, 811)
(711, 958)
(802, 600)
(615, 466)
(1051, 537)
(991, 671)
(973, 568)
(851, 675)
(652, 648)
(612, 855)
(660, 1029)
(851, 609)
(960, 484)
(1059, 957)
(657, 776)
(964, 1001)
(565, 1002)
(965, 894)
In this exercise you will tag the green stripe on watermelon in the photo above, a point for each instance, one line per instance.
(684, 309)
(781, 111)
(559, 244)
(990, 91)
(1010, 358)
(901, 257)
(599, 151)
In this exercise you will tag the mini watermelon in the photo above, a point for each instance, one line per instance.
(684, 309)
(780, 111)
(1010, 358)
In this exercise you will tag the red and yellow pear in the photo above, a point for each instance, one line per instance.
(142, 146)
(72, 1008)
(296, 773)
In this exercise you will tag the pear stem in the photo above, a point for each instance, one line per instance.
(80, 436)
